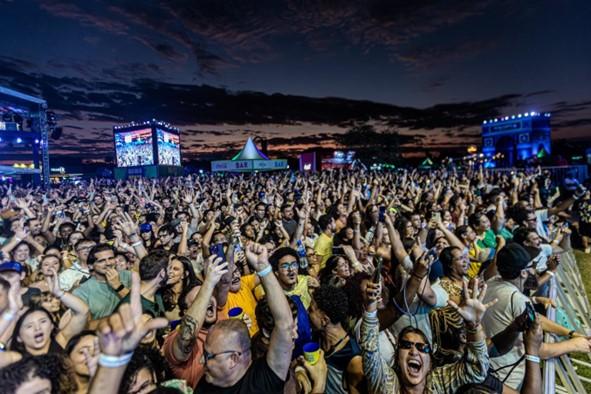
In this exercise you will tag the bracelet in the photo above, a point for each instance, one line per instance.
(18, 239)
(136, 244)
(550, 273)
(121, 287)
(114, 361)
(571, 333)
(534, 359)
(412, 273)
(472, 328)
(265, 271)
(8, 315)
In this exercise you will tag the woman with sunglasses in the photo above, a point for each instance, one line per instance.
(413, 366)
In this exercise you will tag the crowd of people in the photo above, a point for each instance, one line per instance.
(333, 282)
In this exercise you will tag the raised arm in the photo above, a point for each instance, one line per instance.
(119, 335)
(281, 346)
(193, 319)
(80, 310)
(473, 367)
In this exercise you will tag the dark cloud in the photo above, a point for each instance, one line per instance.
(225, 34)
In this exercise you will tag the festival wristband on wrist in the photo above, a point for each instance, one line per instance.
(373, 314)
(121, 287)
(531, 358)
(136, 244)
(108, 361)
(265, 271)
(8, 315)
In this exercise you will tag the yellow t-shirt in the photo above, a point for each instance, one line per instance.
(475, 264)
(301, 289)
(245, 300)
(323, 247)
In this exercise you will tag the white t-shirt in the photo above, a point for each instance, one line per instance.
(510, 304)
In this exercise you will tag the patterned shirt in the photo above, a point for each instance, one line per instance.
(382, 379)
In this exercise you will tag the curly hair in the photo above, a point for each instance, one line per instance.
(333, 301)
(354, 293)
(144, 357)
(49, 366)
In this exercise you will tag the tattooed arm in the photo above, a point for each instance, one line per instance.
(195, 315)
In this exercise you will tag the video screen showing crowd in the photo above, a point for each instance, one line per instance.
(169, 148)
(331, 282)
(134, 148)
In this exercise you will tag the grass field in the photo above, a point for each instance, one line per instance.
(584, 264)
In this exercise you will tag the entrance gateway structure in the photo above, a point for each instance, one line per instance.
(517, 137)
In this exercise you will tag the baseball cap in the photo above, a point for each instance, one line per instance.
(145, 228)
(511, 260)
(14, 266)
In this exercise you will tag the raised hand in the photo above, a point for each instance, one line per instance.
(53, 283)
(15, 301)
(257, 256)
(127, 225)
(472, 309)
(214, 269)
(121, 332)
(373, 296)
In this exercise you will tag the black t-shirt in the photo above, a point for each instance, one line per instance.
(259, 379)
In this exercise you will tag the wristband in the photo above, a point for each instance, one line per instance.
(121, 287)
(372, 314)
(18, 239)
(8, 315)
(534, 359)
(571, 333)
(417, 275)
(550, 273)
(472, 328)
(265, 271)
(136, 244)
(114, 361)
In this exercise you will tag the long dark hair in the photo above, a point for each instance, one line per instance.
(189, 281)
(18, 346)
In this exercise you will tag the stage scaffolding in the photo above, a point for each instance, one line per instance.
(32, 112)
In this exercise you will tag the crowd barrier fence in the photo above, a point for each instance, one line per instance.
(568, 290)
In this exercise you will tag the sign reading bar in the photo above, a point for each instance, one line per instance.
(248, 165)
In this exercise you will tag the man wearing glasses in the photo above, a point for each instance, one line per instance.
(286, 266)
(72, 276)
(228, 361)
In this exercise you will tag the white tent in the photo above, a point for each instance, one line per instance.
(249, 159)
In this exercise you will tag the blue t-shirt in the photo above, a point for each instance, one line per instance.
(304, 328)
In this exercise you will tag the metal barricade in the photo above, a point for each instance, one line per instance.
(567, 289)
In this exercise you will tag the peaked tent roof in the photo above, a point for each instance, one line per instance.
(250, 152)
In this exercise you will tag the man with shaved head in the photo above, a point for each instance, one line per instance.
(229, 367)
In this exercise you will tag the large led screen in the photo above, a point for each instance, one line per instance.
(134, 148)
(169, 148)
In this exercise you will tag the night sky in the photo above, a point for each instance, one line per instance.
(297, 72)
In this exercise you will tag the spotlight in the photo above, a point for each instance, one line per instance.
(19, 140)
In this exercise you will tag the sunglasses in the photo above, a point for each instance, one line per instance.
(421, 347)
